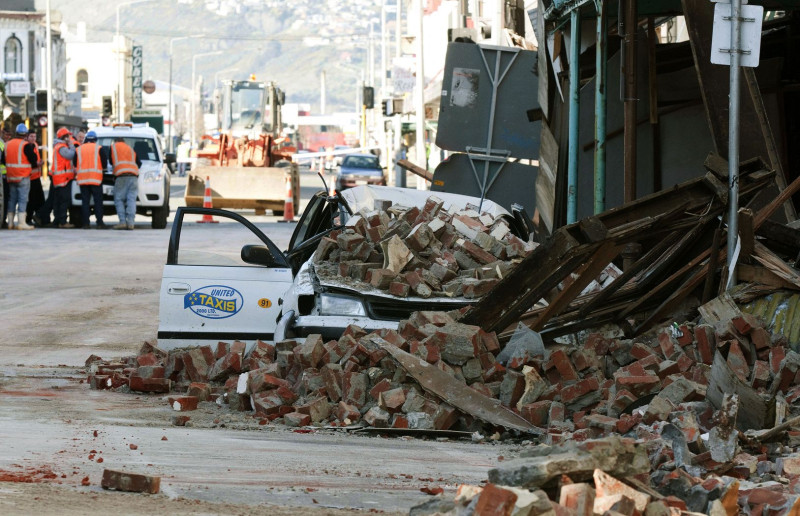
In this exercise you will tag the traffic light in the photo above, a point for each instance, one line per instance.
(41, 100)
(107, 107)
(388, 107)
(369, 97)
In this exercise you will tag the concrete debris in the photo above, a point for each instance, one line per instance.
(132, 482)
(425, 253)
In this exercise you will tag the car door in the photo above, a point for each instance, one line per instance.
(220, 282)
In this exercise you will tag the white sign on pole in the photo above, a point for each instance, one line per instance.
(752, 16)
(136, 76)
(403, 74)
(19, 88)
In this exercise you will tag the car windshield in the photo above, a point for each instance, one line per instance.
(145, 148)
(361, 162)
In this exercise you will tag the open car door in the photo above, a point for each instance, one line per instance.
(230, 293)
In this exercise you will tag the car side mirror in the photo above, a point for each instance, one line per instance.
(258, 255)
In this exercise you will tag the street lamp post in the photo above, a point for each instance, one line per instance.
(194, 93)
(120, 76)
(169, 113)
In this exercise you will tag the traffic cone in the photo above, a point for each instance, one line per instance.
(288, 205)
(207, 219)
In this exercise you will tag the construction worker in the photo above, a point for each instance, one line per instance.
(3, 174)
(92, 160)
(61, 179)
(5, 136)
(20, 157)
(36, 195)
(126, 165)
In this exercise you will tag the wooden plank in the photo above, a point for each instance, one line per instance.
(713, 263)
(586, 274)
(720, 309)
(775, 264)
(449, 389)
(746, 234)
(642, 263)
(757, 412)
(673, 301)
(780, 237)
(528, 282)
(593, 229)
(411, 167)
(767, 211)
(718, 187)
(762, 275)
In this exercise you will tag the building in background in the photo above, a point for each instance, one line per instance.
(23, 43)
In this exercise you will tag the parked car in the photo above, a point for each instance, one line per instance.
(254, 291)
(359, 169)
(154, 174)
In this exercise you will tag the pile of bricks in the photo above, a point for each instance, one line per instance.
(652, 389)
(422, 253)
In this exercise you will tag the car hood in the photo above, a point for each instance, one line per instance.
(364, 197)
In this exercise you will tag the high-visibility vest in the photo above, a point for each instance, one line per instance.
(2, 149)
(64, 172)
(17, 166)
(36, 172)
(124, 159)
(90, 171)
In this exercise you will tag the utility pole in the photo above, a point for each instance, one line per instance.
(49, 86)
(419, 98)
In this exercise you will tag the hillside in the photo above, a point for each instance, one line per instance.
(261, 37)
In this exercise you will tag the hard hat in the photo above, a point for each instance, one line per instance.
(22, 129)
(62, 133)
(91, 136)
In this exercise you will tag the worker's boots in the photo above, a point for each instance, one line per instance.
(22, 224)
(12, 215)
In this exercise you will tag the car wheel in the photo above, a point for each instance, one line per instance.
(75, 216)
(160, 215)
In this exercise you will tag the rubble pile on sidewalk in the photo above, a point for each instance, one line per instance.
(425, 253)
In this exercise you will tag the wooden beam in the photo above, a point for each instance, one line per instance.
(746, 234)
(586, 273)
(713, 263)
(414, 169)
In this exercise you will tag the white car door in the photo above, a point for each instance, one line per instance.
(222, 282)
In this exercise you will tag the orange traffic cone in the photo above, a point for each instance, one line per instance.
(207, 219)
(288, 205)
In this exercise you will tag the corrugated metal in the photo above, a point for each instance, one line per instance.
(781, 311)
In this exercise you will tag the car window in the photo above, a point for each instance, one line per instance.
(360, 162)
(145, 148)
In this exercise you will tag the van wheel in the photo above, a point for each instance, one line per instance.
(160, 215)
(75, 216)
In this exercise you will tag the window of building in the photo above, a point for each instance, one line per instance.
(83, 82)
(12, 54)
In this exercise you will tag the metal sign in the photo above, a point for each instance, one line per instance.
(752, 16)
(136, 76)
(19, 88)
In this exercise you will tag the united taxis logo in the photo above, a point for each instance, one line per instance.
(214, 301)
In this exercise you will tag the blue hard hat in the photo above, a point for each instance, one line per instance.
(91, 136)
(22, 129)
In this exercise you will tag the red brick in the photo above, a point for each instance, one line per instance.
(737, 361)
(578, 498)
(149, 372)
(638, 385)
(685, 362)
(686, 337)
(347, 412)
(537, 413)
(266, 403)
(640, 351)
(132, 482)
(666, 368)
(669, 346)
(606, 485)
(561, 362)
(495, 501)
(776, 356)
(444, 417)
(399, 421)
(392, 400)
(201, 391)
(706, 343)
(583, 387)
(148, 359)
(196, 363)
(183, 403)
(140, 384)
(260, 380)
(760, 338)
(745, 323)
(399, 289)
(230, 364)
(296, 419)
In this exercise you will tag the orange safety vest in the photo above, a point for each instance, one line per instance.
(64, 172)
(17, 166)
(90, 171)
(36, 172)
(124, 160)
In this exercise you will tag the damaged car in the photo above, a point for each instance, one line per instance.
(256, 291)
